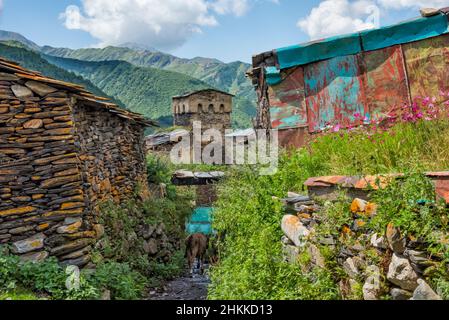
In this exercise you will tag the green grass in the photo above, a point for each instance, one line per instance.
(251, 264)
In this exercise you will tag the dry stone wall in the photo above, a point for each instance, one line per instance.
(113, 157)
(58, 160)
(41, 188)
(399, 275)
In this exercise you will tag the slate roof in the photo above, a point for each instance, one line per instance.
(186, 95)
(79, 92)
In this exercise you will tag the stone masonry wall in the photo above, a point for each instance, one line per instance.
(58, 160)
(41, 196)
(112, 154)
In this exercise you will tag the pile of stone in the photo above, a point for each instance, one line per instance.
(406, 260)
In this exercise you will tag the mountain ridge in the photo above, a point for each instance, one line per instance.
(229, 77)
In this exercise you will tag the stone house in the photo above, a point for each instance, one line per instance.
(63, 151)
(210, 106)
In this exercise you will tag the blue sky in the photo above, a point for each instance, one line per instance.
(228, 30)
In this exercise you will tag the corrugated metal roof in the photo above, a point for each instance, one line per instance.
(79, 92)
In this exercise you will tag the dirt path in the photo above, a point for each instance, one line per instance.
(184, 288)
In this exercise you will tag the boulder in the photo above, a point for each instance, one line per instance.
(425, 292)
(316, 257)
(290, 253)
(379, 242)
(35, 257)
(150, 247)
(148, 232)
(160, 229)
(401, 273)
(371, 288)
(419, 260)
(71, 220)
(286, 241)
(395, 240)
(70, 229)
(358, 205)
(99, 230)
(294, 230)
(400, 294)
(79, 262)
(33, 243)
(351, 268)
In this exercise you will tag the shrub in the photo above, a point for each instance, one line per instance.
(123, 282)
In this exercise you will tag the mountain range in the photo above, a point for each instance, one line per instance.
(139, 78)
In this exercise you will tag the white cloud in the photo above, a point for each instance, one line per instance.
(163, 24)
(333, 17)
(236, 7)
(400, 4)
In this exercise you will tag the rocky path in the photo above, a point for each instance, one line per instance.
(184, 288)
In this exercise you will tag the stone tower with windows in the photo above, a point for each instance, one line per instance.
(211, 107)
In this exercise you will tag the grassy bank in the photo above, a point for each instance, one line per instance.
(251, 264)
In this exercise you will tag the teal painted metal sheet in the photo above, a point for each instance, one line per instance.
(334, 92)
(201, 221)
(409, 31)
(273, 75)
(406, 32)
(318, 50)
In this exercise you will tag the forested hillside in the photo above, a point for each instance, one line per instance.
(31, 60)
(144, 90)
(229, 77)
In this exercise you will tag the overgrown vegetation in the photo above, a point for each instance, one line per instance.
(123, 268)
(251, 264)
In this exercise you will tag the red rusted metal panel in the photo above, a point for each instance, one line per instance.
(334, 92)
(287, 105)
(427, 64)
(385, 80)
(293, 138)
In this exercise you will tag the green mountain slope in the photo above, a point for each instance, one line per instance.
(14, 51)
(144, 90)
(13, 36)
(229, 77)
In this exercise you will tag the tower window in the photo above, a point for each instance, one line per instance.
(211, 108)
(222, 108)
(200, 108)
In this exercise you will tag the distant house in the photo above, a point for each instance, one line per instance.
(210, 106)
(304, 88)
(63, 151)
